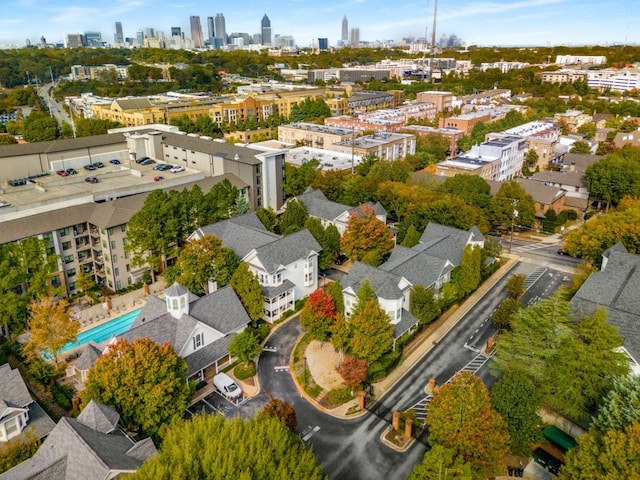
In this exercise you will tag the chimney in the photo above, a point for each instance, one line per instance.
(212, 285)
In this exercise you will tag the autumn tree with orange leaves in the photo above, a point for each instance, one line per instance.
(366, 238)
(318, 314)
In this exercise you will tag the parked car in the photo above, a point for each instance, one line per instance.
(494, 233)
(62, 173)
(148, 161)
(114, 161)
(340, 259)
(141, 159)
(16, 182)
(177, 169)
(91, 179)
(71, 171)
(162, 167)
(90, 167)
(226, 386)
(159, 178)
(99, 164)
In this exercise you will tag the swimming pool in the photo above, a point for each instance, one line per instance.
(103, 332)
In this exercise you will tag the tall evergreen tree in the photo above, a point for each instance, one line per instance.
(249, 290)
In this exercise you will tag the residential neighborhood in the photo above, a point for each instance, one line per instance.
(370, 266)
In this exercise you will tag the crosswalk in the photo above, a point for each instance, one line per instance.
(531, 246)
(473, 366)
(534, 277)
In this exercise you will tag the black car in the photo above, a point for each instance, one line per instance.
(71, 171)
(341, 259)
(142, 159)
(90, 167)
(162, 167)
(148, 161)
(99, 164)
(91, 179)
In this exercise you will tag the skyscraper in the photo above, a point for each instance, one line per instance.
(176, 32)
(211, 29)
(355, 38)
(323, 44)
(221, 29)
(266, 30)
(345, 30)
(196, 31)
(119, 38)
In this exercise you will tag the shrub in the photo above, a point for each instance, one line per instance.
(338, 396)
(18, 449)
(383, 366)
(41, 371)
(244, 371)
(201, 384)
(261, 331)
(62, 396)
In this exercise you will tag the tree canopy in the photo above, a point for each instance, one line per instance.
(441, 463)
(509, 198)
(50, 328)
(145, 382)
(293, 218)
(249, 290)
(318, 314)
(621, 406)
(615, 176)
(366, 238)
(461, 418)
(245, 346)
(310, 110)
(211, 447)
(371, 331)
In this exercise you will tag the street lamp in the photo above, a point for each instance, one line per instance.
(304, 360)
(514, 214)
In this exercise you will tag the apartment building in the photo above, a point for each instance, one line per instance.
(482, 98)
(574, 59)
(385, 146)
(364, 101)
(313, 135)
(465, 121)
(500, 158)
(616, 79)
(573, 119)
(542, 137)
(385, 120)
(452, 134)
(564, 76)
(443, 101)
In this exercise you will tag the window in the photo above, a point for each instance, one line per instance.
(128, 267)
(118, 285)
(116, 271)
(106, 257)
(123, 227)
(113, 244)
(66, 245)
(104, 244)
(71, 272)
(115, 258)
(110, 230)
(126, 254)
(63, 232)
(198, 340)
(68, 259)
(108, 270)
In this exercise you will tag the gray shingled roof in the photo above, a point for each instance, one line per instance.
(540, 192)
(618, 247)
(407, 322)
(445, 242)
(207, 355)
(574, 179)
(221, 310)
(176, 290)
(271, 292)
(385, 284)
(417, 267)
(163, 329)
(99, 417)
(287, 250)
(90, 353)
(617, 289)
(242, 234)
(579, 161)
(133, 103)
(13, 390)
(75, 451)
(319, 206)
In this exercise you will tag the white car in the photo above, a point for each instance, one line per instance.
(177, 169)
(226, 386)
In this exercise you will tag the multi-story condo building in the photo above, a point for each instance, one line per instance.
(364, 102)
(385, 120)
(564, 76)
(481, 98)
(573, 119)
(442, 100)
(542, 137)
(385, 146)
(452, 134)
(588, 59)
(499, 158)
(313, 135)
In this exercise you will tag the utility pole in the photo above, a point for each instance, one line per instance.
(514, 214)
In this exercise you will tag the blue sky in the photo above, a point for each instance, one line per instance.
(492, 22)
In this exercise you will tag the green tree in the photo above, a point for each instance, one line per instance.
(260, 447)
(580, 147)
(249, 290)
(614, 177)
(329, 252)
(341, 334)
(7, 139)
(310, 110)
(240, 206)
(50, 328)
(205, 259)
(245, 346)
(298, 179)
(473, 189)
(514, 397)
(588, 129)
(18, 449)
(511, 198)
(547, 345)
(293, 218)
(366, 238)
(281, 410)
(371, 332)
(440, 463)
(38, 127)
(145, 382)
(469, 278)
(620, 407)
(424, 305)
(335, 290)
(85, 281)
(460, 417)
(318, 314)
(412, 237)
(503, 316)
(612, 455)
(267, 217)
(515, 286)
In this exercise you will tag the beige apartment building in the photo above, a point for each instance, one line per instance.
(313, 135)
(442, 100)
(385, 146)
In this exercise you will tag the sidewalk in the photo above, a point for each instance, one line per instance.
(431, 337)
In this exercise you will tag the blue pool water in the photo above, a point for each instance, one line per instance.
(103, 332)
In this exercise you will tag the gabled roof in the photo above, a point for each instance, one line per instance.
(13, 390)
(319, 206)
(617, 288)
(385, 284)
(74, 450)
(287, 250)
(205, 356)
(574, 179)
(579, 161)
(221, 310)
(618, 247)
(99, 417)
(541, 193)
(419, 268)
(407, 322)
(447, 243)
(242, 233)
(163, 329)
(90, 353)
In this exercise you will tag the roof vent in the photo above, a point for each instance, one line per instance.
(236, 157)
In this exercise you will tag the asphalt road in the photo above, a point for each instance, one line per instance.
(55, 108)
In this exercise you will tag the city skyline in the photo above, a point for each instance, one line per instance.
(508, 22)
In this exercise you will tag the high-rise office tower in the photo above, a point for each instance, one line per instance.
(266, 30)
(119, 35)
(211, 29)
(355, 38)
(323, 44)
(75, 40)
(140, 38)
(196, 31)
(221, 29)
(93, 39)
(176, 32)
(345, 30)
